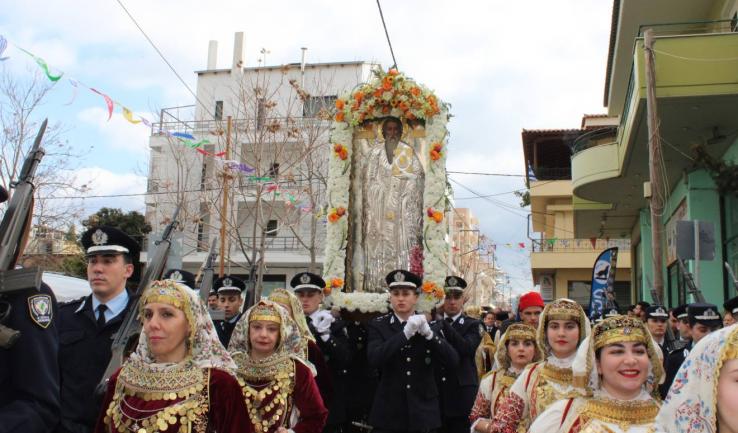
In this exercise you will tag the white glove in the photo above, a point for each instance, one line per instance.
(411, 327)
(323, 321)
(425, 329)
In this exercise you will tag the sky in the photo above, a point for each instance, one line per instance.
(504, 66)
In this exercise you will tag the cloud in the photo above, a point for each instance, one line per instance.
(117, 132)
(101, 182)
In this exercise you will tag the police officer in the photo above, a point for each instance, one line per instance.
(230, 298)
(406, 350)
(29, 370)
(458, 385)
(332, 340)
(702, 318)
(731, 307)
(181, 276)
(657, 319)
(87, 325)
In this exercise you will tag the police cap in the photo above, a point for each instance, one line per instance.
(181, 276)
(307, 281)
(402, 279)
(227, 283)
(103, 240)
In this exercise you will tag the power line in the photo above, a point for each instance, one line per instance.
(506, 192)
(386, 33)
(181, 80)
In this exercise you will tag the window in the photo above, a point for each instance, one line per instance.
(272, 228)
(676, 285)
(734, 22)
(274, 170)
(314, 104)
(218, 110)
(202, 235)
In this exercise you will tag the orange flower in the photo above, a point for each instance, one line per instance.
(403, 106)
(428, 287)
(438, 147)
(333, 217)
(327, 290)
(337, 147)
(343, 154)
(438, 216)
(435, 156)
(359, 96)
(336, 282)
(386, 84)
(393, 71)
(385, 109)
(341, 211)
(415, 91)
(378, 93)
(340, 116)
(439, 293)
(410, 116)
(340, 104)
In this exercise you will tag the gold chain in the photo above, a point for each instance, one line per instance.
(280, 386)
(622, 413)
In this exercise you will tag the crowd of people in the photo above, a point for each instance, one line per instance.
(287, 364)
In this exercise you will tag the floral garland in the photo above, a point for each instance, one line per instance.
(388, 94)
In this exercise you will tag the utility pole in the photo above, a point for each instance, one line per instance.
(224, 200)
(656, 198)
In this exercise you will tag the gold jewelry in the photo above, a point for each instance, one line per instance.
(622, 413)
(265, 312)
(619, 329)
(560, 375)
(269, 403)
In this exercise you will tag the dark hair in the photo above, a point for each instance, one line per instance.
(643, 305)
(392, 119)
(487, 313)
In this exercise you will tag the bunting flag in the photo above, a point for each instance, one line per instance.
(551, 242)
(521, 244)
(108, 102)
(75, 90)
(128, 115)
(206, 153)
(508, 245)
(3, 47)
(593, 241)
(147, 123)
(240, 166)
(196, 145)
(42, 64)
(181, 135)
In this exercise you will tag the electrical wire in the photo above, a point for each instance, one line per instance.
(485, 174)
(386, 33)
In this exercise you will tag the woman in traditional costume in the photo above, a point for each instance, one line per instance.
(277, 384)
(562, 327)
(516, 350)
(309, 349)
(616, 374)
(704, 395)
(180, 378)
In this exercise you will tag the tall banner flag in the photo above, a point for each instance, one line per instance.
(603, 280)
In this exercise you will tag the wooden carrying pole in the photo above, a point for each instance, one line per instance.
(656, 200)
(224, 201)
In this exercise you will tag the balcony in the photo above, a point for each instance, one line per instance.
(578, 245)
(697, 92)
(575, 253)
(276, 243)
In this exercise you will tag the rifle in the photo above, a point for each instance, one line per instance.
(13, 236)
(130, 325)
(732, 275)
(689, 281)
(206, 271)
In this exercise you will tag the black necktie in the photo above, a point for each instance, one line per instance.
(101, 315)
(449, 320)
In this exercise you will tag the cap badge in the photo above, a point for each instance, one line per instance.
(227, 282)
(710, 314)
(399, 277)
(660, 311)
(453, 282)
(99, 237)
(305, 278)
(176, 276)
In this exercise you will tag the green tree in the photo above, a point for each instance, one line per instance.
(132, 223)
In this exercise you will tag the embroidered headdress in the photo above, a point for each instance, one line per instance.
(288, 299)
(691, 405)
(516, 331)
(618, 329)
(561, 309)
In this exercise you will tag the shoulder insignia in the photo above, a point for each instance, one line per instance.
(39, 307)
(70, 302)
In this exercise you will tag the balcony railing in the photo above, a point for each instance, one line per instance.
(284, 125)
(594, 138)
(690, 28)
(276, 243)
(578, 245)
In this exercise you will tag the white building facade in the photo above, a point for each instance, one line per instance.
(249, 157)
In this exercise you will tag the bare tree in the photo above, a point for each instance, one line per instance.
(20, 99)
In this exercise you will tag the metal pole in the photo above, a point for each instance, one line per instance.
(224, 201)
(696, 225)
(654, 159)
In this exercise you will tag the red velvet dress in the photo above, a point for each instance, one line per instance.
(290, 399)
(220, 409)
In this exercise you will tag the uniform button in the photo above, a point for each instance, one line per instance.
(408, 387)
(427, 351)
(360, 338)
(443, 379)
(408, 373)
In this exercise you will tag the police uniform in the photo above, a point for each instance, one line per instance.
(458, 384)
(703, 313)
(731, 306)
(362, 378)
(181, 276)
(86, 334)
(407, 395)
(658, 312)
(29, 369)
(228, 285)
(333, 344)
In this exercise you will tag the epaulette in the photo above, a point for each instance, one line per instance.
(74, 302)
(382, 317)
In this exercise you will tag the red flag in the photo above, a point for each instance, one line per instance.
(521, 244)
